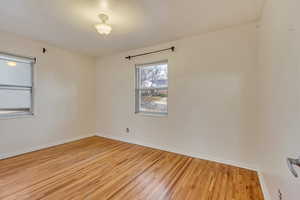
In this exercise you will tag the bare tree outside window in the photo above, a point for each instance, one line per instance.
(152, 88)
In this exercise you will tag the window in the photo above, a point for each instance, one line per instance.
(16, 85)
(152, 88)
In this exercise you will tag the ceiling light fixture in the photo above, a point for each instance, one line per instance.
(103, 28)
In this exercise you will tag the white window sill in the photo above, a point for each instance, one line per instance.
(11, 115)
(159, 115)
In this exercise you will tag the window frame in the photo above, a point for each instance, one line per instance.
(20, 59)
(138, 90)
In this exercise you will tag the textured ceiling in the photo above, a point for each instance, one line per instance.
(136, 23)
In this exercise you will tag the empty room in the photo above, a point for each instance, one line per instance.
(149, 100)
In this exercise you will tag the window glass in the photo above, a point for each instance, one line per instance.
(152, 88)
(16, 85)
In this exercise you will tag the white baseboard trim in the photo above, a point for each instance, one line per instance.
(36, 148)
(204, 157)
(264, 186)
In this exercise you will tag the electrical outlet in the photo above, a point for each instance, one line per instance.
(279, 194)
(127, 130)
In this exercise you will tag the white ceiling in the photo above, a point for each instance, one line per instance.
(136, 23)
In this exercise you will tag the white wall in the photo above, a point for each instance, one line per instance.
(64, 98)
(212, 95)
(279, 71)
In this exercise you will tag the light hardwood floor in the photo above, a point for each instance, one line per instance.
(96, 168)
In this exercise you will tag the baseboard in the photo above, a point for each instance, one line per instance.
(36, 148)
(204, 157)
(264, 186)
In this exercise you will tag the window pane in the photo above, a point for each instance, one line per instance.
(15, 73)
(153, 76)
(154, 100)
(14, 99)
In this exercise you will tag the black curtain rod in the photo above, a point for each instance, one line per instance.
(143, 54)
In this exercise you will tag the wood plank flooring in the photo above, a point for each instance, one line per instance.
(97, 168)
